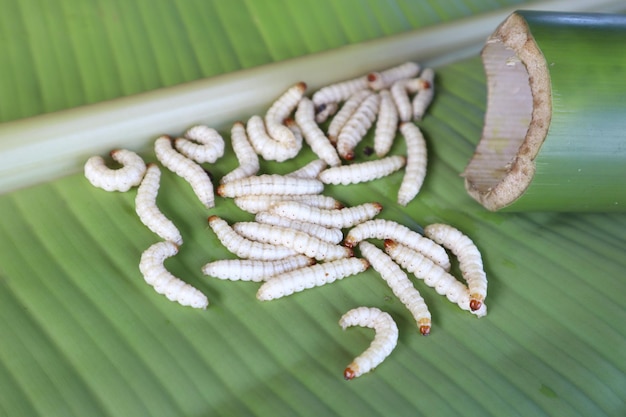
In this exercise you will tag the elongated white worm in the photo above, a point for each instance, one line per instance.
(245, 153)
(338, 218)
(327, 234)
(163, 281)
(362, 171)
(423, 98)
(280, 110)
(148, 211)
(270, 184)
(253, 269)
(255, 203)
(400, 94)
(313, 135)
(201, 144)
(386, 124)
(470, 259)
(184, 167)
(337, 92)
(384, 79)
(357, 126)
(269, 148)
(310, 170)
(416, 162)
(120, 179)
(343, 115)
(297, 280)
(385, 338)
(399, 283)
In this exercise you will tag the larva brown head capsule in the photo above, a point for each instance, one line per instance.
(349, 243)
(475, 304)
(372, 77)
(390, 243)
(220, 190)
(301, 86)
(425, 330)
(349, 373)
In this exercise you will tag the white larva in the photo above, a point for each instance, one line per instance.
(423, 98)
(324, 111)
(246, 248)
(433, 275)
(399, 283)
(201, 144)
(255, 203)
(313, 135)
(362, 171)
(384, 79)
(386, 124)
(416, 162)
(253, 269)
(280, 110)
(343, 115)
(338, 218)
(299, 241)
(310, 170)
(327, 234)
(147, 210)
(184, 167)
(266, 146)
(337, 92)
(245, 153)
(389, 229)
(163, 281)
(400, 94)
(120, 179)
(470, 259)
(357, 126)
(270, 184)
(385, 338)
(297, 280)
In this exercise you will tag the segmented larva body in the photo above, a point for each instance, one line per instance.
(245, 153)
(470, 259)
(270, 184)
(201, 144)
(327, 234)
(310, 170)
(433, 275)
(337, 92)
(253, 269)
(338, 218)
(385, 338)
(280, 110)
(297, 280)
(246, 248)
(388, 229)
(300, 242)
(147, 210)
(416, 162)
(400, 94)
(163, 281)
(266, 146)
(324, 111)
(425, 94)
(386, 124)
(399, 283)
(255, 203)
(184, 167)
(313, 135)
(357, 126)
(343, 115)
(384, 79)
(120, 179)
(363, 171)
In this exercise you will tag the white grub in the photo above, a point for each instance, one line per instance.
(255, 203)
(201, 144)
(184, 167)
(424, 96)
(337, 92)
(400, 94)
(357, 126)
(338, 218)
(416, 162)
(399, 283)
(389, 229)
(470, 259)
(385, 338)
(384, 79)
(300, 242)
(313, 135)
(324, 111)
(327, 234)
(120, 179)
(246, 248)
(310, 170)
(163, 281)
(148, 211)
(343, 115)
(433, 275)
(386, 124)
(280, 110)
(245, 153)
(266, 146)
(270, 184)
(253, 269)
(297, 280)
(362, 171)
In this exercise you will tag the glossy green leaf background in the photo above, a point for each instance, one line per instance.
(82, 334)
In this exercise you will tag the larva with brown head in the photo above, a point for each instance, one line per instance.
(270, 184)
(254, 269)
(280, 110)
(313, 135)
(338, 92)
(357, 126)
(423, 98)
(338, 218)
(363, 171)
(416, 162)
(344, 114)
(384, 79)
(120, 179)
(255, 203)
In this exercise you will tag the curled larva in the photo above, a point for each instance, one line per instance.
(184, 167)
(297, 240)
(433, 275)
(399, 283)
(386, 124)
(147, 210)
(357, 126)
(425, 94)
(121, 179)
(164, 282)
(388, 229)
(337, 92)
(246, 248)
(280, 110)
(327, 234)
(385, 338)
(470, 259)
(297, 280)
(254, 269)
(313, 135)
(201, 144)
(310, 170)
(416, 162)
(255, 203)
(343, 115)
(245, 153)
(270, 184)
(266, 146)
(362, 171)
(339, 218)
(384, 79)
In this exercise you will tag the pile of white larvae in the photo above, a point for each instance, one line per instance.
(296, 240)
